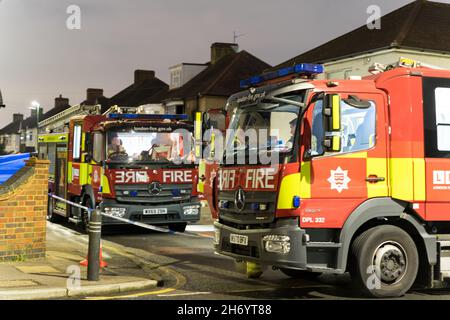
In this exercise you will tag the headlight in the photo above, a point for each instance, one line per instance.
(216, 236)
(191, 210)
(277, 244)
(116, 212)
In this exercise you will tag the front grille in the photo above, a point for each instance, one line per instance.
(248, 215)
(248, 251)
(170, 217)
(140, 193)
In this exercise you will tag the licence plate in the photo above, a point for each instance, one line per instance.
(155, 211)
(239, 239)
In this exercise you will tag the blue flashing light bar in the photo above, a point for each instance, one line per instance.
(307, 69)
(136, 116)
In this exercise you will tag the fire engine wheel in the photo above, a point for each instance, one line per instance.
(385, 261)
(51, 216)
(300, 274)
(178, 227)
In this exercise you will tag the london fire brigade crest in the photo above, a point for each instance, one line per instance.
(339, 179)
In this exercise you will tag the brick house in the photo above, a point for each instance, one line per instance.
(21, 134)
(418, 30)
(143, 91)
(56, 119)
(199, 87)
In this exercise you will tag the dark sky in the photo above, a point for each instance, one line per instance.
(40, 58)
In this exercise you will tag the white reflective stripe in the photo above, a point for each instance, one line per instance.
(151, 227)
(71, 203)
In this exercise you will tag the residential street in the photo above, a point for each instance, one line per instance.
(191, 270)
(225, 153)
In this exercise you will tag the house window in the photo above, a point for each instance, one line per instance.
(175, 79)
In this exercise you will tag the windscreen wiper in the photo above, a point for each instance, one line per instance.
(286, 101)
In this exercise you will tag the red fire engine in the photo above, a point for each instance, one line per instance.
(362, 182)
(133, 166)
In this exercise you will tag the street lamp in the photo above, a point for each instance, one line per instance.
(36, 106)
(2, 105)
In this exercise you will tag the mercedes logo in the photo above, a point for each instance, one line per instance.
(239, 199)
(155, 188)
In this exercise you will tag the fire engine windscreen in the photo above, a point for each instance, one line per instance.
(150, 147)
(265, 132)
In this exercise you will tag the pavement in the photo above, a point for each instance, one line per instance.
(61, 276)
(205, 215)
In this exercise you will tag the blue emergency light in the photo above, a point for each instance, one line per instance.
(136, 116)
(307, 69)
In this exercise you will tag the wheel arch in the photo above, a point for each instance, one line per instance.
(380, 211)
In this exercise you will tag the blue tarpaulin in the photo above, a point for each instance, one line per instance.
(10, 164)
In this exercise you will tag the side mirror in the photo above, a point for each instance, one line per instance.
(198, 134)
(332, 122)
(206, 122)
(213, 145)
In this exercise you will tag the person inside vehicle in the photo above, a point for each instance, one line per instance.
(293, 126)
(115, 145)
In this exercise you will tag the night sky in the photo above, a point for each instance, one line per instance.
(41, 58)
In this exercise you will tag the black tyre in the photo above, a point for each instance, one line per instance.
(300, 274)
(385, 262)
(50, 213)
(178, 227)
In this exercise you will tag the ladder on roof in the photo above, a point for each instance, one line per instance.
(401, 63)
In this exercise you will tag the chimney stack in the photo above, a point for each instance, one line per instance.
(142, 75)
(92, 96)
(61, 102)
(220, 50)
(17, 117)
(34, 113)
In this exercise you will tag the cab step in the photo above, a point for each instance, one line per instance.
(75, 220)
(323, 245)
(323, 269)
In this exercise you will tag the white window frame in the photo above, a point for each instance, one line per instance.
(77, 134)
(442, 98)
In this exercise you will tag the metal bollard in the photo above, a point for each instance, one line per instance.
(95, 233)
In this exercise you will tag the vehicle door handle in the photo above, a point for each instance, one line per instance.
(374, 179)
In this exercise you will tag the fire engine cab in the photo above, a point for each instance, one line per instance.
(347, 176)
(139, 167)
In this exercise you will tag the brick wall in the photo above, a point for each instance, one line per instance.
(23, 211)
